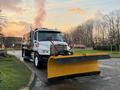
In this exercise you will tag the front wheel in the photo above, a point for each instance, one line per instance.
(37, 61)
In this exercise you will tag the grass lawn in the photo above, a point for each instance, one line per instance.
(13, 74)
(112, 54)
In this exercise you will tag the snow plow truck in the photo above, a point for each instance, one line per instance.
(46, 46)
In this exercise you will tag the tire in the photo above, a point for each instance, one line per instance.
(37, 61)
(26, 59)
(24, 55)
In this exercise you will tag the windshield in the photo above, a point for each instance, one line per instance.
(50, 36)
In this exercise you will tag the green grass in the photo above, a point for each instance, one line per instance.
(79, 51)
(113, 54)
(13, 74)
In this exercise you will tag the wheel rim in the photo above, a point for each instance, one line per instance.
(36, 61)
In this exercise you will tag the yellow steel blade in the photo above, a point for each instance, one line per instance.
(56, 70)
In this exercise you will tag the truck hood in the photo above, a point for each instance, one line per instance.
(44, 47)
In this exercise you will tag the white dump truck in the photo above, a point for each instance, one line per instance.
(42, 43)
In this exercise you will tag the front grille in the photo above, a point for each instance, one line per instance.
(58, 47)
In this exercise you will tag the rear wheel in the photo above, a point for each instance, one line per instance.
(25, 59)
(37, 61)
(24, 54)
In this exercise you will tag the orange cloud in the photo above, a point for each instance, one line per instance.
(77, 11)
(14, 29)
(61, 27)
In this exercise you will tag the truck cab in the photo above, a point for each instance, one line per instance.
(44, 40)
(42, 43)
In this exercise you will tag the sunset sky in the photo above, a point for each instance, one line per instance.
(61, 14)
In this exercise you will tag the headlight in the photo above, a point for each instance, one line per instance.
(68, 48)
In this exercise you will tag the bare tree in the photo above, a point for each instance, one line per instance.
(103, 31)
(81, 35)
(88, 33)
(67, 38)
(113, 23)
(3, 21)
(2, 25)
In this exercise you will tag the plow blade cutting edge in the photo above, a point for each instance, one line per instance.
(60, 67)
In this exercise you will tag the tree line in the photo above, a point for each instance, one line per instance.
(103, 32)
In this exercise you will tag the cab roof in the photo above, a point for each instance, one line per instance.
(47, 30)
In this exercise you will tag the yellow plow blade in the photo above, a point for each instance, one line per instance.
(73, 65)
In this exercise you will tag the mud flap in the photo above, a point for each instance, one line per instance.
(73, 65)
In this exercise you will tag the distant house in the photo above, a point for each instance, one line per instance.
(12, 42)
(79, 46)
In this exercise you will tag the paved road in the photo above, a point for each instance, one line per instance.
(108, 80)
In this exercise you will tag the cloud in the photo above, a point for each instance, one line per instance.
(11, 5)
(19, 23)
(77, 11)
(15, 29)
(96, 15)
(75, 0)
